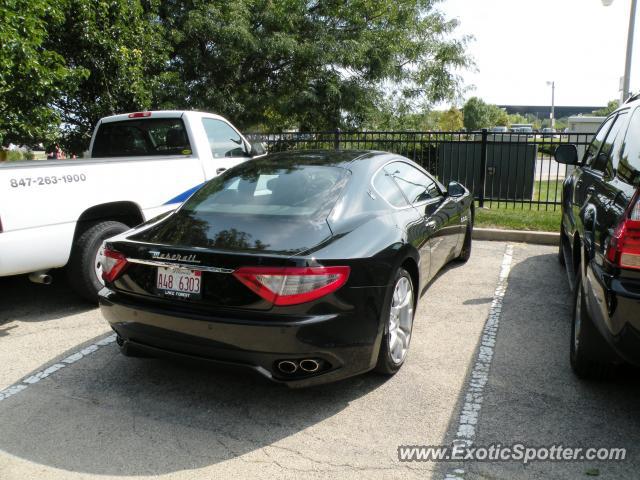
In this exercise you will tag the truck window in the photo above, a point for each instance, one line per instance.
(224, 140)
(141, 137)
(629, 164)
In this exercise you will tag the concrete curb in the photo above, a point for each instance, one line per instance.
(525, 236)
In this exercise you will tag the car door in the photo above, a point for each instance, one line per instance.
(227, 147)
(416, 229)
(604, 190)
(440, 217)
(584, 178)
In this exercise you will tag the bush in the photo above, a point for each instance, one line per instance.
(15, 155)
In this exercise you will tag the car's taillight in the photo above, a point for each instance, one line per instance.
(113, 263)
(292, 285)
(624, 245)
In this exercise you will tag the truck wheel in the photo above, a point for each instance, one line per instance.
(589, 352)
(84, 270)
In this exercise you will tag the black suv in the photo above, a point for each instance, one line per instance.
(600, 244)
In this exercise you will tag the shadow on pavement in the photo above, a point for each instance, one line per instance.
(113, 415)
(532, 396)
(24, 301)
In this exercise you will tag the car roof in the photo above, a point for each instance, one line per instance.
(336, 158)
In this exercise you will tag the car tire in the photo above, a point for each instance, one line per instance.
(465, 253)
(398, 329)
(589, 352)
(82, 268)
(561, 249)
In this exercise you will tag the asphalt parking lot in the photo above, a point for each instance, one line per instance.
(104, 415)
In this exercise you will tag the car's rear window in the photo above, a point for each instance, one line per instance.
(141, 137)
(262, 188)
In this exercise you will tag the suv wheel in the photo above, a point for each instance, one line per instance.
(589, 351)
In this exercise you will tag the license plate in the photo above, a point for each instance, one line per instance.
(179, 282)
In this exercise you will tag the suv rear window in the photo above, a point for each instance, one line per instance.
(142, 137)
(261, 188)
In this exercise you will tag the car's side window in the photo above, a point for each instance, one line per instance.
(629, 163)
(594, 148)
(416, 186)
(610, 150)
(387, 189)
(224, 140)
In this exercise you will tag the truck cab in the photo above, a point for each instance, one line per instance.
(57, 213)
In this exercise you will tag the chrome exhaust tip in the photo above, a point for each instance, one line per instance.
(41, 277)
(287, 366)
(309, 365)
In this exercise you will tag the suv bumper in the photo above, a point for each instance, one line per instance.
(615, 308)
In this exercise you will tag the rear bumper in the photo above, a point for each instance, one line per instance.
(346, 344)
(615, 309)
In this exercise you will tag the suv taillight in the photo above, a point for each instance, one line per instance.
(113, 263)
(292, 285)
(624, 246)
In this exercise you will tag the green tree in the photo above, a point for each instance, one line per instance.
(611, 107)
(497, 116)
(31, 75)
(310, 64)
(476, 114)
(270, 63)
(452, 120)
(120, 49)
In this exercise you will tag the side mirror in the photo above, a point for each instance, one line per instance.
(567, 154)
(257, 149)
(455, 190)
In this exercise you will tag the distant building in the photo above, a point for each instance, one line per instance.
(544, 111)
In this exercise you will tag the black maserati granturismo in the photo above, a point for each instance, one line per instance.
(305, 266)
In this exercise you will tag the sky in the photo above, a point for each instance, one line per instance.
(519, 45)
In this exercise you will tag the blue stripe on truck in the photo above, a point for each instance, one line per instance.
(184, 195)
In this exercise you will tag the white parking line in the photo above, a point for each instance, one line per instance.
(468, 420)
(51, 369)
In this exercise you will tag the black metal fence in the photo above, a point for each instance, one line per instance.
(504, 170)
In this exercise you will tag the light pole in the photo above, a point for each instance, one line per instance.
(552, 84)
(626, 80)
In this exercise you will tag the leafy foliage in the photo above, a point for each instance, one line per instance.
(479, 115)
(611, 107)
(317, 64)
(452, 120)
(119, 53)
(31, 75)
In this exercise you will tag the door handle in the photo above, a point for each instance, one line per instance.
(220, 170)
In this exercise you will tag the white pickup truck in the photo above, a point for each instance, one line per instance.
(57, 213)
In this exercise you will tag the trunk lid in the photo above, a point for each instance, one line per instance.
(215, 247)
